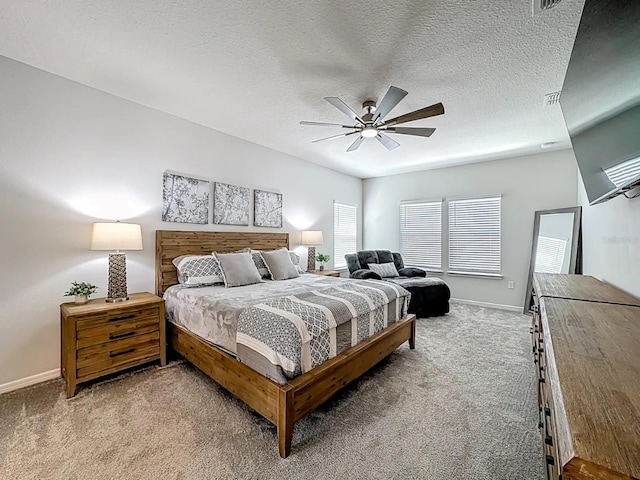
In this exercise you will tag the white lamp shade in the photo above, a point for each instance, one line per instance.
(311, 237)
(116, 236)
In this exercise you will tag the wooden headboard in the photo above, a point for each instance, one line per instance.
(172, 243)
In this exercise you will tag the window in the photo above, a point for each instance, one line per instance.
(421, 234)
(344, 233)
(474, 236)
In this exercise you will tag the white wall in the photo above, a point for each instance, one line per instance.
(611, 240)
(536, 182)
(71, 155)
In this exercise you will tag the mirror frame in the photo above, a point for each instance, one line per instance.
(575, 262)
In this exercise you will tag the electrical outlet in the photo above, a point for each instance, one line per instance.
(511, 285)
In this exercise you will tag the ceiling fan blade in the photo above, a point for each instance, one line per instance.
(420, 132)
(355, 145)
(390, 100)
(388, 142)
(344, 108)
(322, 124)
(334, 136)
(426, 112)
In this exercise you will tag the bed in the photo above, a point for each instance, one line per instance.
(281, 399)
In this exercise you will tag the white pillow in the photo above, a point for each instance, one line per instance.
(385, 270)
(198, 270)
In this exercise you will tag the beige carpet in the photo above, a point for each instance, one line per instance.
(461, 406)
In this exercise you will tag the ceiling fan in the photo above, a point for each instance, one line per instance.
(372, 125)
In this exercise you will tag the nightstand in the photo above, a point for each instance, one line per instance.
(326, 273)
(100, 338)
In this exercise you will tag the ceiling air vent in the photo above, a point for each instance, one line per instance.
(540, 6)
(551, 99)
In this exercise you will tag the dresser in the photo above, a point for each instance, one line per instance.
(585, 343)
(100, 338)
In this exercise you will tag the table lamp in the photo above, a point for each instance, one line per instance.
(117, 236)
(311, 238)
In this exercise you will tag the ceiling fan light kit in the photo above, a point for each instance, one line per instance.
(372, 125)
(369, 132)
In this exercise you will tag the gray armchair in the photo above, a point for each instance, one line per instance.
(358, 264)
(429, 296)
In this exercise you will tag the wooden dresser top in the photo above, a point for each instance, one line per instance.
(99, 305)
(596, 351)
(580, 287)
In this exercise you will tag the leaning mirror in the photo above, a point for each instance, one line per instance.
(555, 247)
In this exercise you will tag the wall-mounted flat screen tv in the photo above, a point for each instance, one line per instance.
(601, 97)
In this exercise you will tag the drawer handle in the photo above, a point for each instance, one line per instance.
(550, 460)
(124, 352)
(113, 336)
(126, 317)
(548, 439)
(540, 424)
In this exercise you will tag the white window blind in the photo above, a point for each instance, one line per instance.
(474, 235)
(421, 234)
(550, 255)
(344, 233)
(624, 172)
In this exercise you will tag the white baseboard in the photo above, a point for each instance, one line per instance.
(28, 381)
(511, 308)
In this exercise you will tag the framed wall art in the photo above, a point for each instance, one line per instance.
(185, 199)
(230, 204)
(267, 209)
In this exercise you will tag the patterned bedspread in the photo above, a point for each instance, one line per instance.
(285, 328)
(299, 332)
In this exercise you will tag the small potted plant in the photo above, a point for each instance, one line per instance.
(322, 259)
(81, 290)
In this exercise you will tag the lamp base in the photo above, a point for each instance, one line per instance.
(115, 300)
(311, 259)
(117, 291)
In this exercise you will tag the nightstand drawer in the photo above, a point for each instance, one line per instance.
(116, 331)
(99, 338)
(102, 357)
(116, 317)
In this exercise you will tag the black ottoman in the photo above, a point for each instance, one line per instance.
(429, 296)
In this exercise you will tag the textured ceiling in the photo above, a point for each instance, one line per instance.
(255, 69)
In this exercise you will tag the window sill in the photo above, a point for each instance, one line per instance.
(491, 276)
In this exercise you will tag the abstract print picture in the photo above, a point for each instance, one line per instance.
(185, 199)
(267, 209)
(230, 204)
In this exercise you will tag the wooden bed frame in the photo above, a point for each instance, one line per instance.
(282, 405)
